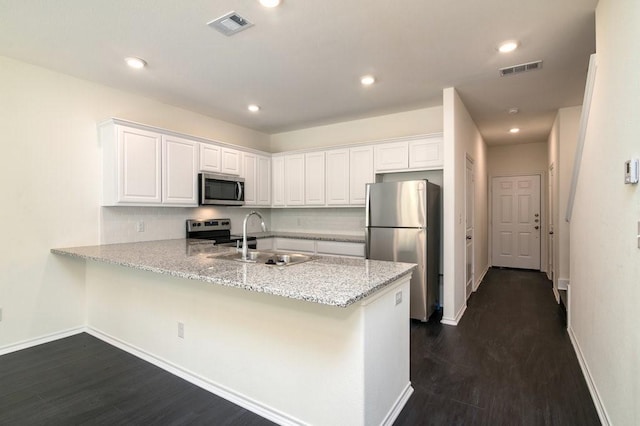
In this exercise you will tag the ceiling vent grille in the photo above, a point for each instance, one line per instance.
(517, 69)
(230, 23)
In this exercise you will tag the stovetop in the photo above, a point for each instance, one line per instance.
(213, 229)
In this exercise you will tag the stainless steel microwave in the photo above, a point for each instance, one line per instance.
(220, 190)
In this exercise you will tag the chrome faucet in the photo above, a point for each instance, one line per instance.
(244, 232)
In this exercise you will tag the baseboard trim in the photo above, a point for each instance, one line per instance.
(556, 295)
(593, 390)
(394, 412)
(479, 280)
(29, 343)
(456, 320)
(215, 388)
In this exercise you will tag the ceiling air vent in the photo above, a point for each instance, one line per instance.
(517, 69)
(230, 23)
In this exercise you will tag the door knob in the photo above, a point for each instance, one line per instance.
(468, 237)
(536, 227)
(550, 232)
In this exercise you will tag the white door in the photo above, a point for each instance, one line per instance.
(469, 219)
(516, 222)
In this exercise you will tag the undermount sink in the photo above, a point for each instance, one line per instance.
(270, 258)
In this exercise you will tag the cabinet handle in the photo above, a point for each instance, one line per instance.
(239, 191)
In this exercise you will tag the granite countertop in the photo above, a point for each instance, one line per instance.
(335, 281)
(308, 236)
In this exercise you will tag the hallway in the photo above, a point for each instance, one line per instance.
(508, 362)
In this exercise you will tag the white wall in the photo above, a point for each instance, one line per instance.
(420, 121)
(461, 138)
(50, 181)
(605, 259)
(523, 159)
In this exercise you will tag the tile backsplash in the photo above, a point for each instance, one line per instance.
(121, 224)
(349, 221)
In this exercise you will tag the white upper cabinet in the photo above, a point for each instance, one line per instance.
(360, 173)
(146, 168)
(179, 171)
(314, 179)
(294, 179)
(209, 158)
(426, 153)
(230, 161)
(414, 154)
(391, 156)
(337, 176)
(132, 164)
(277, 174)
(263, 181)
(256, 170)
(249, 162)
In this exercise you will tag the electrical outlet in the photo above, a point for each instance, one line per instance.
(140, 226)
(181, 330)
(398, 298)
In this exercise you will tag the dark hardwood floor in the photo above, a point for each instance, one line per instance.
(509, 362)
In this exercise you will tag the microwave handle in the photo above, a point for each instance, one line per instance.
(239, 191)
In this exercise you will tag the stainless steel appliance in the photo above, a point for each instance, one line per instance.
(221, 190)
(403, 225)
(218, 231)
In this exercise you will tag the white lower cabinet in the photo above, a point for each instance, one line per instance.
(292, 244)
(340, 248)
(321, 247)
(146, 168)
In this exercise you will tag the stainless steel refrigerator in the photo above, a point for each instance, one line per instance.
(403, 225)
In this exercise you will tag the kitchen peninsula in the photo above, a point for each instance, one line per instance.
(321, 342)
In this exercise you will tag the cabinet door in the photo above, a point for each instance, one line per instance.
(249, 162)
(360, 173)
(337, 176)
(294, 179)
(263, 181)
(209, 158)
(277, 167)
(426, 153)
(391, 156)
(139, 166)
(314, 178)
(338, 248)
(294, 244)
(179, 171)
(230, 161)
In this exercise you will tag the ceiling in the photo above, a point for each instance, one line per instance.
(302, 62)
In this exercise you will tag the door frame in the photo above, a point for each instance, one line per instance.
(469, 161)
(543, 212)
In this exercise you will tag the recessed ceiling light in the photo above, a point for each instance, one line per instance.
(270, 3)
(253, 108)
(136, 63)
(508, 46)
(367, 80)
(514, 130)
(513, 110)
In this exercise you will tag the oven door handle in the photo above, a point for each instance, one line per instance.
(239, 191)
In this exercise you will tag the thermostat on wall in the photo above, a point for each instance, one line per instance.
(631, 171)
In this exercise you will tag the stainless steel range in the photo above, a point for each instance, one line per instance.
(218, 231)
